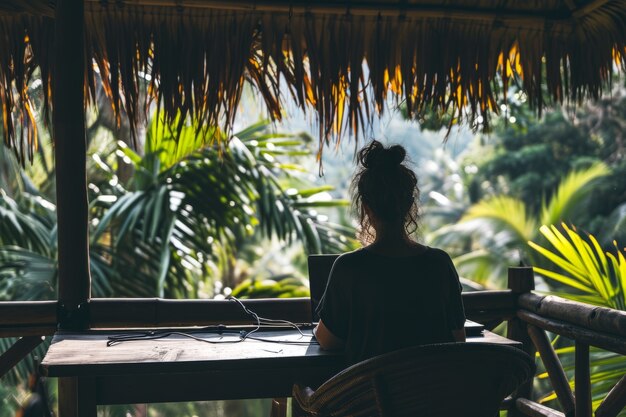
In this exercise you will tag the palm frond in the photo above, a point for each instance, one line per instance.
(26, 222)
(187, 207)
(504, 213)
(583, 265)
(570, 194)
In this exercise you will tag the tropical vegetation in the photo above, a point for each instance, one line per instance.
(180, 216)
(588, 274)
(188, 221)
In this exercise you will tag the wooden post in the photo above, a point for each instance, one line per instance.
(70, 150)
(68, 397)
(17, 352)
(521, 281)
(532, 409)
(555, 370)
(86, 397)
(582, 384)
(615, 400)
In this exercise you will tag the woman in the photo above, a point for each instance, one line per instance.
(394, 292)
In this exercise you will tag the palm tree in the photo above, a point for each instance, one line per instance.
(493, 233)
(187, 214)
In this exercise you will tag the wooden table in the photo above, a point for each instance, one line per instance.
(181, 369)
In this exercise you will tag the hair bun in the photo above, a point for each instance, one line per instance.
(376, 155)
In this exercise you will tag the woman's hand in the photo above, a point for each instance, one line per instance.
(326, 339)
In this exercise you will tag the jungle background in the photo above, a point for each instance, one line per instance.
(173, 214)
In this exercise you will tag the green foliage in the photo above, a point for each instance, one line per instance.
(608, 202)
(9, 400)
(532, 162)
(285, 286)
(568, 200)
(527, 160)
(590, 275)
(493, 233)
(606, 369)
(176, 226)
(26, 222)
(598, 277)
(211, 202)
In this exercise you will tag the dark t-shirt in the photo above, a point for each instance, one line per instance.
(377, 304)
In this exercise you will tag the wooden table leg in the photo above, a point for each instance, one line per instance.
(77, 397)
(87, 397)
(68, 397)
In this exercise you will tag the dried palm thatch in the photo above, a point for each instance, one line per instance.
(343, 60)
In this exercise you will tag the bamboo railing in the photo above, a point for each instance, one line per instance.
(528, 316)
(587, 326)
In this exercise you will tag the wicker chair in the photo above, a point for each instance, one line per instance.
(447, 380)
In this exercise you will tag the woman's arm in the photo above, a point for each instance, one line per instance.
(326, 339)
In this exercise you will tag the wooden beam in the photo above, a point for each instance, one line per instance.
(21, 331)
(582, 384)
(588, 8)
(489, 300)
(15, 313)
(603, 319)
(371, 8)
(556, 373)
(70, 155)
(606, 341)
(17, 352)
(489, 316)
(156, 312)
(615, 400)
(146, 312)
(533, 409)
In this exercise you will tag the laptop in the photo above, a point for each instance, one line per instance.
(319, 270)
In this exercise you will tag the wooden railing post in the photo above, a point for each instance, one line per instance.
(68, 85)
(582, 384)
(521, 280)
(70, 159)
(557, 375)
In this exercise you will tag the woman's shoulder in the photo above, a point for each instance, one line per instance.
(359, 256)
(351, 257)
(437, 253)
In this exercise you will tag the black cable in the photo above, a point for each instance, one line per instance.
(218, 330)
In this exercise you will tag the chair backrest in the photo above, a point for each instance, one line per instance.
(447, 380)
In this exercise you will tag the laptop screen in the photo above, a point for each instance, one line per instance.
(319, 270)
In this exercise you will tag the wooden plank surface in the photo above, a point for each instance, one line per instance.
(87, 353)
(75, 354)
(181, 369)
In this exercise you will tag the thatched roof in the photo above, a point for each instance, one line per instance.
(443, 54)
